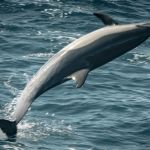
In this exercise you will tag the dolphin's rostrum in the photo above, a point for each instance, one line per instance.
(76, 60)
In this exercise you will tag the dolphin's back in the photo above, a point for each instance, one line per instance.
(99, 35)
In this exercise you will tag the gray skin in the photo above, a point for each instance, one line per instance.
(80, 57)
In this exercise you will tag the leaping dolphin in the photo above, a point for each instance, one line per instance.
(76, 60)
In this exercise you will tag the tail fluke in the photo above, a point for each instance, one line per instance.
(8, 127)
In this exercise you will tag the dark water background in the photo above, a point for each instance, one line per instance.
(110, 112)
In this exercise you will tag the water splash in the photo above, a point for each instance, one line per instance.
(35, 130)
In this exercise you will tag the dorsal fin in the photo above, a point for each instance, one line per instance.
(80, 76)
(107, 20)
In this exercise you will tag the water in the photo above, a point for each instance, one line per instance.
(110, 112)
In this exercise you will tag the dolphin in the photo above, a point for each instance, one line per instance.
(76, 60)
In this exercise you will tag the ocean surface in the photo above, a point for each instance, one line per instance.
(110, 112)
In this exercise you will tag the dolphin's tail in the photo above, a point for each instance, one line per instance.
(8, 127)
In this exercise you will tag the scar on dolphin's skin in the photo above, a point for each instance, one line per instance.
(76, 60)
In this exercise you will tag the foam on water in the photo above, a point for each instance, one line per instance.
(34, 130)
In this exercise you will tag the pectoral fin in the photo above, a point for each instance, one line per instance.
(107, 20)
(80, 76)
